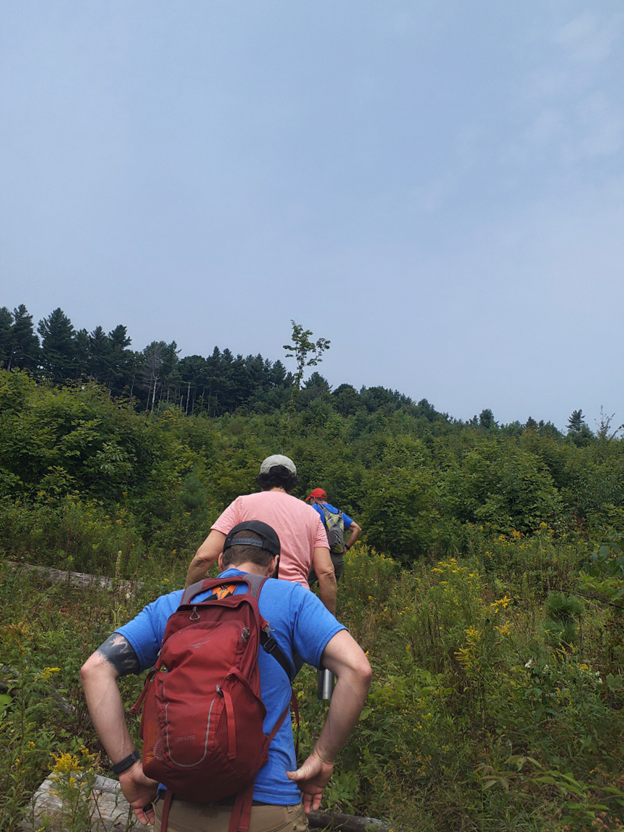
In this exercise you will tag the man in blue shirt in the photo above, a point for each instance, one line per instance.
(304, 630)
(318, 500)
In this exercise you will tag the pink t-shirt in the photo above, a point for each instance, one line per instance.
(298, 526)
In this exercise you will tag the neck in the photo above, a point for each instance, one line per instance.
(279, 488)
(249, 567)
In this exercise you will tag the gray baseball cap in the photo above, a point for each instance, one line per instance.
(278, 459)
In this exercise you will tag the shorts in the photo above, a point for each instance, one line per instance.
(214, 817)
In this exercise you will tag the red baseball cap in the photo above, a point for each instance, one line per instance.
(318, 493)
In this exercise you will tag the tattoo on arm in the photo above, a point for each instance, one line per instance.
(119, 653)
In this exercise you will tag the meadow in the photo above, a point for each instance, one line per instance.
(487, 593)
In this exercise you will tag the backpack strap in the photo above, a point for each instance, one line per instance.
(270, 646)
(295, 706)
(330, 515)
(241, 811)
(254, 583)
(194, 589)
(326, 512)
(164, 819)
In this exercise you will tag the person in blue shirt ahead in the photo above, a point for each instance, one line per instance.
(304, 630)
(335, 530)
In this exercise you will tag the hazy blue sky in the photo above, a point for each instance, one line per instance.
(437, 187)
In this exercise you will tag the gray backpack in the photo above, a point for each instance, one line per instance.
(334, 526)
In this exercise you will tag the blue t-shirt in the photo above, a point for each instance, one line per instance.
(302, 627)
(345, 517)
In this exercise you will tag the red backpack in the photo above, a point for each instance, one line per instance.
(202, 724)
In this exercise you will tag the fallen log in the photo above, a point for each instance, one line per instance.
(110, 812)
(345, 823)
(82, 580)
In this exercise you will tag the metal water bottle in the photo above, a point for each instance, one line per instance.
(325, 683)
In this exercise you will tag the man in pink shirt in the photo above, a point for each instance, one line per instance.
(302, 535)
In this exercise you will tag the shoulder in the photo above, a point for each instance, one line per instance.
(145, 632)
(164, 605)
(299, 618)
(229, 517)
(299, 507)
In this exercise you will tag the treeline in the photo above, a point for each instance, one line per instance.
(217, 384)
(61, 354)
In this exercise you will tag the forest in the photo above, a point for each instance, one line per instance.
(487, 588)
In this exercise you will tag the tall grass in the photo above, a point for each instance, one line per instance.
(478, 718)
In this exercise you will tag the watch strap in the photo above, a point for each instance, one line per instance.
(126, 763)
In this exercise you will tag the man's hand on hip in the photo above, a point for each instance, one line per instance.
(139, 791)
(312, 777)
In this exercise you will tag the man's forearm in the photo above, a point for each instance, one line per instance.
(99, 680)
(326, 575)
(196, 571)
(344, 711)
(355, 531)
(346, 660)
(205, 556)
(328, 590)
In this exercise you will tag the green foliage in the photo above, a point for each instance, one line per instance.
(504, 486)
(401, 514)
(463, 674)
(487, 589)
(562, 607)
(70, 534)
(564, 613)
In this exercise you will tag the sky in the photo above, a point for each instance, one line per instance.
(435, 187)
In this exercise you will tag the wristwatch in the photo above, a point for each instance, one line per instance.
(126, 763)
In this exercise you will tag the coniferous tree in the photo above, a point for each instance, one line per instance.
(123, 361)
(486, 419)
(100, 359)
(25, 350)
(6, 323)
(82, 354)
(58, 347)
(346, 399)
(578, 429)
(576, 421)
(192, 369)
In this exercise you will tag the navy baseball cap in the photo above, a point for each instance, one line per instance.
(269, 539)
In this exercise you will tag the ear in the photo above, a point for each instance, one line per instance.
(221, 566)
(272, 567)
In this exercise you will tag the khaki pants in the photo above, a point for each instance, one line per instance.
(211, 817)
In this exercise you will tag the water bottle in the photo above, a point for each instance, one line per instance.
(325, 683)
